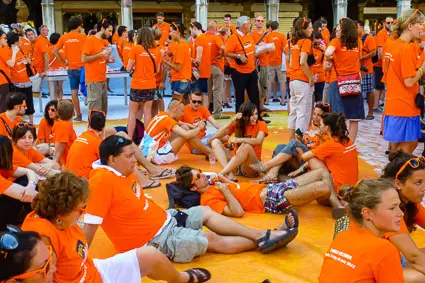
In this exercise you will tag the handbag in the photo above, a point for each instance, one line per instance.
(31, 72)
(237, 60)
(349, 84)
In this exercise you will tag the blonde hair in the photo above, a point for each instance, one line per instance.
(410, 16)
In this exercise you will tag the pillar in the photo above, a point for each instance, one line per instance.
(403, 5)
(48, 13)
(127, 13)
(340, 10)
(272, 10)
(201, 13)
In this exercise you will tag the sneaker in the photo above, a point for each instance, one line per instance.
(221, 116)
(79, 118)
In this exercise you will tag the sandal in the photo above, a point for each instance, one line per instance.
(166, 173)
(258, 167)
(152, 185)
(267, 180)
(279, 242)
(295, 215)
(200, 274)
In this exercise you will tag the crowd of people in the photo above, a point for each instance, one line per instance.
(57, 188)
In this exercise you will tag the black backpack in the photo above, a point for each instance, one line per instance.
(181, 197)
(374, 58)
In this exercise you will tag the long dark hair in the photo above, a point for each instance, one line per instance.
(131, 35)
(336, 122)
(19, 132)
(6, 153)
(397, 160)
(349, 37)
(299, 29)
(145, 37)
(46, 111)
(247, 109)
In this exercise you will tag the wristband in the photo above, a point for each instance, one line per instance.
(32, 183)
(422, 70)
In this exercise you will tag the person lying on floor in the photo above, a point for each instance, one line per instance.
(233, 199)
(131, 220)
(250, 132)
(292, 152)
(165, 136)
(61, 201)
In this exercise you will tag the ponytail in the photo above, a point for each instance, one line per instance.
(336, 122)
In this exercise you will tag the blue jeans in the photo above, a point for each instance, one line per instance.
(74, 78)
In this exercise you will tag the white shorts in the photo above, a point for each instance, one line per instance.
(164, 155)
(36, 82)
(122, 267)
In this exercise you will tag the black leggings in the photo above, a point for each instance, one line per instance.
(248, 82)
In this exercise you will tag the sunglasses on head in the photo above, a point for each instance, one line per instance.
(8, 241)
(413, 162)
(44, 270)
(25, 124)
(197, 176)
(414, 14)
(174, 24)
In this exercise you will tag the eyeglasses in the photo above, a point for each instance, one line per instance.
(413, 162)
(44, 270)
(81, 210)
(25, 124)
(389, 23)
(197, 101)
(51, 110)
(8, 241)
(197, 176)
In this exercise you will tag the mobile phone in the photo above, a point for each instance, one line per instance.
(299, 133)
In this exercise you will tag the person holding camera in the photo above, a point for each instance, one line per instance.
(368, 51)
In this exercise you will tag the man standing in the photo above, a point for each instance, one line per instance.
(73, 42)
(164, 27)
(368, 51)
(28, 42)
(96, 54)
(40, 59)
(275, 67)
(123, 37)
(227, 23)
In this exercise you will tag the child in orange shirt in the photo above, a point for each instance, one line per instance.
(361, 254)
(63, 131)
(55, 87)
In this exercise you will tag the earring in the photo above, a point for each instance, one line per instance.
(59, 221)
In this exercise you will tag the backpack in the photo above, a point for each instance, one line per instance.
(181, 197)
(139, 132)
(374, 58)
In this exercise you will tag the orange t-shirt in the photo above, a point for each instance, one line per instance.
(400, 63)
(247, 194)
(54, 63)
(95, 70)
(70, 245)
(297, 73)
(205, 65)
(193, 117)
(126, 48)
(73, 43)
(83, 152)
(317, 68)
(27, 47)
(330, 76)
(360, 256)
(11, 124)
(216, 43)
(419, 220)
(129, 219)
(165, 32)
(341, 160)
(41, 46)
(119, 44)
(63, 132)
(4, 57)
(158, 75)
(182, 55)
(115, 37)
(326, 35)
(251, 131)
(25, 158)
(346, 62)
(280, 42)
(380, 39)
(44, 132)
(157, 126)
(144, 71)
(265, 57)
(5, 183)
(18, 73)
(234, 46)
(368, 46)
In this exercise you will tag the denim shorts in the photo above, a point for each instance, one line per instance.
(201, 84)
(74, 79)
(180, 87)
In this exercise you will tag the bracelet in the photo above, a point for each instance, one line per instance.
(422, 70)
(32, 183)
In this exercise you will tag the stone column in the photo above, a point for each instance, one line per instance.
(340, 10)
(272, 10)
(48, 11)
(127, 13)
(403, 5)
(201, 13)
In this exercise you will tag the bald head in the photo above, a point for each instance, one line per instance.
(212, 26)
(175, 109)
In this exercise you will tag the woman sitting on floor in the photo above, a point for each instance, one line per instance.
(293, 151)
(58, 206)
(24, 155)
(45, 140)
(361, 253)
(249, 136)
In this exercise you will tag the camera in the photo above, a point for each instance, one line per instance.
(364, 69)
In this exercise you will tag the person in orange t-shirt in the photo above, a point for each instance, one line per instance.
(145, 59)
(28, 42)
(96, 54)
(55, 87)
(127, 46)
(361, 254)
(85, 149)
(16, 107)
(402, 125)
(122, 32)
(117, 202)
(325, 31)
(227, 25)
(58, 229)
(181, 62)
(318, 70)
(240, 49)
(165, 28)
(4, 71)
(44, 134)
(41, 51)
(381, 38)
(249, 132)
(63, 131)
(275, 60)
(302, 80)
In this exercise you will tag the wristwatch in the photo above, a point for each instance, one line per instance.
(238, 56)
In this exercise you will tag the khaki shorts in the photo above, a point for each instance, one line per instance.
(276, 72)
(263, 78)
(37, 83)
(97, 96)
(181, 244)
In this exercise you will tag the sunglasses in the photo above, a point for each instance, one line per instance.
(81, 210)
(120, 141)
(262, 21)
(44, 270)
(51, 110)
(197, 102)
(25, 124)
(8, 241)
(413, 15)
(413, 162)
(197, 176)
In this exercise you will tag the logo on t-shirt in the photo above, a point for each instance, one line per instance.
(196, 122)
(82, 250)
(136, 189)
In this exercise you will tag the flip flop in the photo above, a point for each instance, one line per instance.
(200, 274)
(166, 173)
(279, 242)
(152, 185)
(295, 215)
